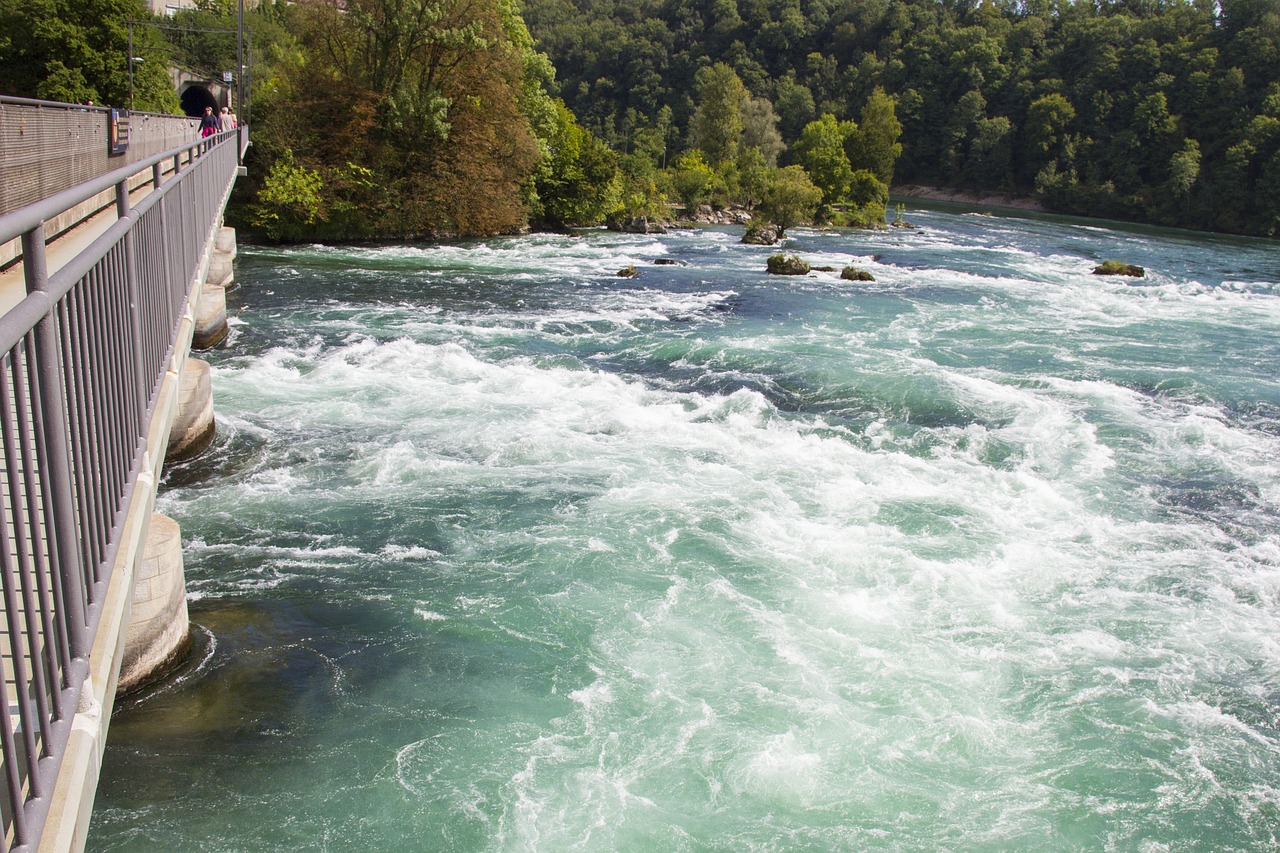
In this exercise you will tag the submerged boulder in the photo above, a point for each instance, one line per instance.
(1119, 268)
(781, 264)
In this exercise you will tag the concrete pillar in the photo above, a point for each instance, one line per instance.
(158, 637)
(211, 308)
(211, 318)
(193, 425)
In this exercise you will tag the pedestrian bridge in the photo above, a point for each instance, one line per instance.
(110, 258)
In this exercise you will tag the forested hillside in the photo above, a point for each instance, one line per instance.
(1166, 112)
(395, 118)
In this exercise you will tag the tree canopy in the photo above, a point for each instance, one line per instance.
(1163, 110)
(78, 50)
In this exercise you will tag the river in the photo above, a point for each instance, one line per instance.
(498, 551)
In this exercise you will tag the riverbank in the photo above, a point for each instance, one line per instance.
(963, 197)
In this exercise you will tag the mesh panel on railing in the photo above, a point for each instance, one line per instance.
(44, 150)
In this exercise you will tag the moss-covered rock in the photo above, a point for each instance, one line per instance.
(760, 233)
(855, 274)
(628, 272)
(781, 264)
(1119, 268)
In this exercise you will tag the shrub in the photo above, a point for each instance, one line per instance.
(289, 201)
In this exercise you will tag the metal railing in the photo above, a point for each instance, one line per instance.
(47, 147)
(82, 358)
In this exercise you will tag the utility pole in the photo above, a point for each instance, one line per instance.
(239, 56)
(248, 80)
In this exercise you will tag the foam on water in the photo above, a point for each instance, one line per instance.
(713, 561)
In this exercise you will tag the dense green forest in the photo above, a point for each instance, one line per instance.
(77, 51)
(1159, 110)
(432, 117)
(371, 118)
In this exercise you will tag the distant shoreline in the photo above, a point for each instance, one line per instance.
(984, 199)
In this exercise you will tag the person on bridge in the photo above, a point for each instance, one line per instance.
(208, 123)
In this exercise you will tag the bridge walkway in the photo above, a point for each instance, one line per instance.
(93, 334)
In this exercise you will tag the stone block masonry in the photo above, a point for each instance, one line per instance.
(158, 635)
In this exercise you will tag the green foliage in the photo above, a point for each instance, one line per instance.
(821, 151)
(1161, 110)
(577, 182)
(418, 118)
(692, 179)
(78, 50)
(760, 130)
(754, 176)
(716, 126)
(867, 199)
(791, 198)
(196, 47)
(290, 201)
(65, 84)
(1097, 108)
(873, 145)
(1184, 169)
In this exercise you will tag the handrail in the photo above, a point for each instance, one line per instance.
(100, 108)
(53, 105)
(82, 359)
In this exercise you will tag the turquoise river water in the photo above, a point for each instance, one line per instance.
(498, 551)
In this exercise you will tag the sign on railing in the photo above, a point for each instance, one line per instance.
(118, 131)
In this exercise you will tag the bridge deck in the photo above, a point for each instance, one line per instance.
(69, 244)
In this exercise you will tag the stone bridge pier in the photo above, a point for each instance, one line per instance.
(158, 637)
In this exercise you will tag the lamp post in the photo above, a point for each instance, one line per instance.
(132, 60)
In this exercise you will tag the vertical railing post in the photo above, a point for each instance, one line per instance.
(36, 270)
(122, 199)
(131, 282)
